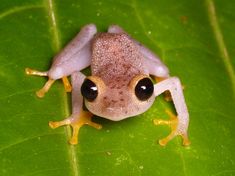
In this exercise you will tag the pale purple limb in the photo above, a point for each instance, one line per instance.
(75, 56)
(80, 60)
(77, 79)
(174, 86)
(76, 44)
(77, 98)
(157, 69)
(115, 29)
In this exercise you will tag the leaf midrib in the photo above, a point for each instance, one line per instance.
(220, 41)
(56, 45)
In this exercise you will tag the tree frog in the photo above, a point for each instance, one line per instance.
(120, 85)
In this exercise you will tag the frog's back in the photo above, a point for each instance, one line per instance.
(114, 57)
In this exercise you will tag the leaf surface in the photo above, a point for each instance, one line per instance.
(195, 39)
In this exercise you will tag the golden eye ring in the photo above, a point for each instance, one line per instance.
(143, 87)
(92, 87)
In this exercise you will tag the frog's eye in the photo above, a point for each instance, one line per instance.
(91, 88)
(143, 86)
(144, 89)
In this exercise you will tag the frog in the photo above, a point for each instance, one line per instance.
(125, 79)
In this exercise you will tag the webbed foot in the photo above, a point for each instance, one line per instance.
(175, 130)
(76, 121)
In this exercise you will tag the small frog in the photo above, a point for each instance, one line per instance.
(120, 85)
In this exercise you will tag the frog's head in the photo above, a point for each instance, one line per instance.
(119, 98)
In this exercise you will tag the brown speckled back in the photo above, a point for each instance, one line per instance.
(115, 58)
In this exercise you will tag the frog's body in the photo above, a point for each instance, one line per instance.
(120, 85)
(116, 60)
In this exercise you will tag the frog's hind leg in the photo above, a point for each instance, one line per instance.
(40, 93)
(179, 123)
(79, 117)
(115, 29)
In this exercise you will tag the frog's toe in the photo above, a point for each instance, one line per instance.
(165, 140)
(175, 131)
(46, 87)
(48, 84)
(30, 71)
(67, 85)
(76, 121)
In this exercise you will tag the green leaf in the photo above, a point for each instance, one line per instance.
(194, 38)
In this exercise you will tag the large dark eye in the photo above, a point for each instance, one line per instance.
(144, 89)
(89, 90)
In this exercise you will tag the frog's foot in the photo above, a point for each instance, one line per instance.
(167, 94)
(173, 123)
(49, 83)
(76, 121)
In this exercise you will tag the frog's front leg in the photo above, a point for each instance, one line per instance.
(79, 117)
(74, 57)
(179, 123)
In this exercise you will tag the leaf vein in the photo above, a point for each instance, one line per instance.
(17, 93)
(141, 22)
(220, 41)
(52, 21)
(18, 9)
(43, 171)
(56, 45)
(25, 140)
(224, 171)
(183, 161)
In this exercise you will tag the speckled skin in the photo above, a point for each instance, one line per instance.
(115, 57)
(117, 60)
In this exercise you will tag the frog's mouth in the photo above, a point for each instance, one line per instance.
(113, 114)
(116, 113)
